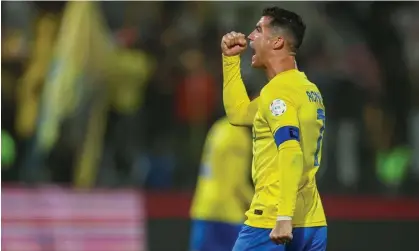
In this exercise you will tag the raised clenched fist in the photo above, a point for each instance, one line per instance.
(233, 43)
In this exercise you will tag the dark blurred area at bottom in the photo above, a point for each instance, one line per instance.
(361, 223)
(343, 235)
(75, 220)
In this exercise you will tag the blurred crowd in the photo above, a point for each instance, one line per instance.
(116, 94)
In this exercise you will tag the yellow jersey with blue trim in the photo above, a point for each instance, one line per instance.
(287, 138)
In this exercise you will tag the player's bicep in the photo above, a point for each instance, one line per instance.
(287, 137)
(281, 115)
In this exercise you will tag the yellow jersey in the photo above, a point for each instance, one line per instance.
(288, 125)
(224, 191)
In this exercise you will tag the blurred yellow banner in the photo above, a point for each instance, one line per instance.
(82, 53)
(81, 58)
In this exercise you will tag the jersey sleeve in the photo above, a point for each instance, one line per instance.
(239, 109)
(281, 113)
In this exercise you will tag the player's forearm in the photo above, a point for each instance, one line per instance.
(240, 111)
(290, 161)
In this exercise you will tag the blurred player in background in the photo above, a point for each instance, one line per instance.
(288, 124)
(223, 190)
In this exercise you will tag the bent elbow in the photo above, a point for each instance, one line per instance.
(232, 119)
(236, 120)
(238, 115)
(235, 123)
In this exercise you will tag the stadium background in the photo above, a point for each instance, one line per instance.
(105, 107)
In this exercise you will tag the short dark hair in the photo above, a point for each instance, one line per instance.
(291, 22)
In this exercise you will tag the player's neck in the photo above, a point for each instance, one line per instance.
(276, 65)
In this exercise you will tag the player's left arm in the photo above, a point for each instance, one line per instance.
(281, 112)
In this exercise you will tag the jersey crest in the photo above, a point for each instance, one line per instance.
(278, 107)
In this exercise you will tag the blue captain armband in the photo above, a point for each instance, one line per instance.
(286, 133)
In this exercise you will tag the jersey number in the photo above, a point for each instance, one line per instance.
(320, 116)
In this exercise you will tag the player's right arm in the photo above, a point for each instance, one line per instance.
(239, 109)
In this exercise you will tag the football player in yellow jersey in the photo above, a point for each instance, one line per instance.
(224, 190)
(288, 125)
